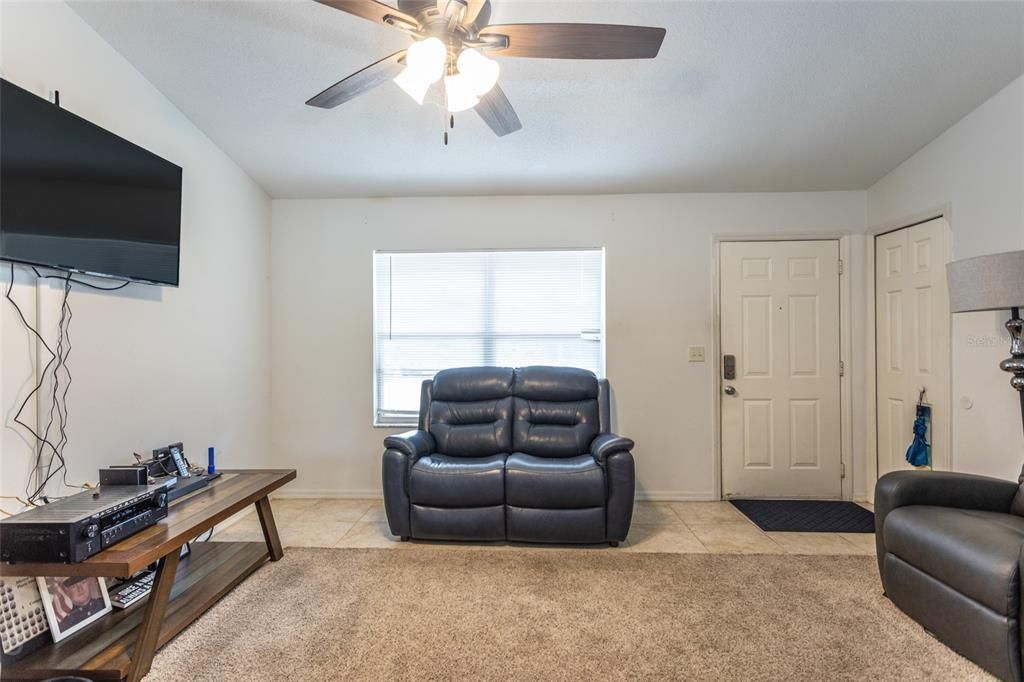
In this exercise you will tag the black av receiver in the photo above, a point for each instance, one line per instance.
(73, 529)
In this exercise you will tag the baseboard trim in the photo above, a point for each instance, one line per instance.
(351, 494)
(675, 496)
(375, 494)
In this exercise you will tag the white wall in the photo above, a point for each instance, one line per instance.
(658, 303)
(977, 168)
(150, 365)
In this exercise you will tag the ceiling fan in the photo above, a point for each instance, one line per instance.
(453, 41)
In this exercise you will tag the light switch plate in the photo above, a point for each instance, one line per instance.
(696, 353)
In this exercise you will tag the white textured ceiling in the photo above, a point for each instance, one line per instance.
(763, 96)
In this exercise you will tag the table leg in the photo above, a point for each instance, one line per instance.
(152, 620)
(269, 528)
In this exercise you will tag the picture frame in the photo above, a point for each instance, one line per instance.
(73, 603)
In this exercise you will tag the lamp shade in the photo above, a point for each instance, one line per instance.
(993, 282)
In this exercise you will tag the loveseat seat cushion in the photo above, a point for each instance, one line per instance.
(446, 481)
(553, 483)
(974, 552)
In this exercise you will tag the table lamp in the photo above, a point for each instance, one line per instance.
(994, 282)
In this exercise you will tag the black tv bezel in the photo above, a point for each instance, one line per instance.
(71, 269)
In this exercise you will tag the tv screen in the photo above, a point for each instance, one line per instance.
(76, 197)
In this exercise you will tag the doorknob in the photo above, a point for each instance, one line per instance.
(730, 390)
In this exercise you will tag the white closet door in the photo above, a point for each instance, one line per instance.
(912, 339)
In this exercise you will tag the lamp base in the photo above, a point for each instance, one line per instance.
(1015, 363)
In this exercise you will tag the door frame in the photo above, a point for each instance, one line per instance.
(945, 212)
(845, 345)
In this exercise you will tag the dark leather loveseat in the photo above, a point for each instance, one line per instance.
(511, 454)
(950, 555)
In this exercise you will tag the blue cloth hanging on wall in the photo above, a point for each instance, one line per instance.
(919, 453)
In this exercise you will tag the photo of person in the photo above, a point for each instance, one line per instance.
(73, 603)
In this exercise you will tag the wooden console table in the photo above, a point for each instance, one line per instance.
(122, 644)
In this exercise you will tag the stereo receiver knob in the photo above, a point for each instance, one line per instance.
(161, 500)
(90, 531)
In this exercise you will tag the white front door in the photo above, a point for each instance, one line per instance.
(912, 340)
(781, 411)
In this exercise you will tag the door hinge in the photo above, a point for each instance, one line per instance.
(840, 266)
(842, 470)
(842, 368)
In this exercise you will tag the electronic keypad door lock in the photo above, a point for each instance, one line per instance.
(729, 367)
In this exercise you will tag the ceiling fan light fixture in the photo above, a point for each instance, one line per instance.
(459, 93)
(414, 84)
(428, 57)
(425, 62)
(481, 71)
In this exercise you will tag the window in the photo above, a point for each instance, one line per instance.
(505, 308)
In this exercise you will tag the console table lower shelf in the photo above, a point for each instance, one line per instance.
(103, 651)
(121, 645)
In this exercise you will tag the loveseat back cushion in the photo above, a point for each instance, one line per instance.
(471, 384)
(470, 413)
(555, 384)
(556, 411)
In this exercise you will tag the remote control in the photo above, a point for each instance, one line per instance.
(179, 462)
(127, 593)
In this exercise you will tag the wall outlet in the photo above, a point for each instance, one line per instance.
(696, 353)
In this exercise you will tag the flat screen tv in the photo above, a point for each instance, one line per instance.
(76, 197)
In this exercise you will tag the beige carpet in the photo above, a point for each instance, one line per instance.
(441, 614)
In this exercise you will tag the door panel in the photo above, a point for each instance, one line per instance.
(780, 318)
(912, 340)
(757, 434)
(757, 336)
(803, 334)
(804, 434)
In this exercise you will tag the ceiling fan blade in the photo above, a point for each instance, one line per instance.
(577, 41)
(415, 6)
(359, 82)
(374, 11)
(497, 112)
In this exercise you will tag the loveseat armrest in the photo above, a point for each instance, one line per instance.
(415, 444)
(943, 489)
(607, 444)
(937, 489)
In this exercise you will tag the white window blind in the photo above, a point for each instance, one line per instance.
(433, 311)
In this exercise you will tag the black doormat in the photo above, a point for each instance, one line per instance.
(807, 516)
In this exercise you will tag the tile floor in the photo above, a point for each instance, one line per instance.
(672, 527)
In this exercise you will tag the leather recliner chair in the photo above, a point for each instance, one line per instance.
(950, 556)
(511, 454)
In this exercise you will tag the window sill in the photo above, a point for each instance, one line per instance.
(407, 427)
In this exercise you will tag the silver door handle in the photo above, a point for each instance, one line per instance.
(729, 390)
